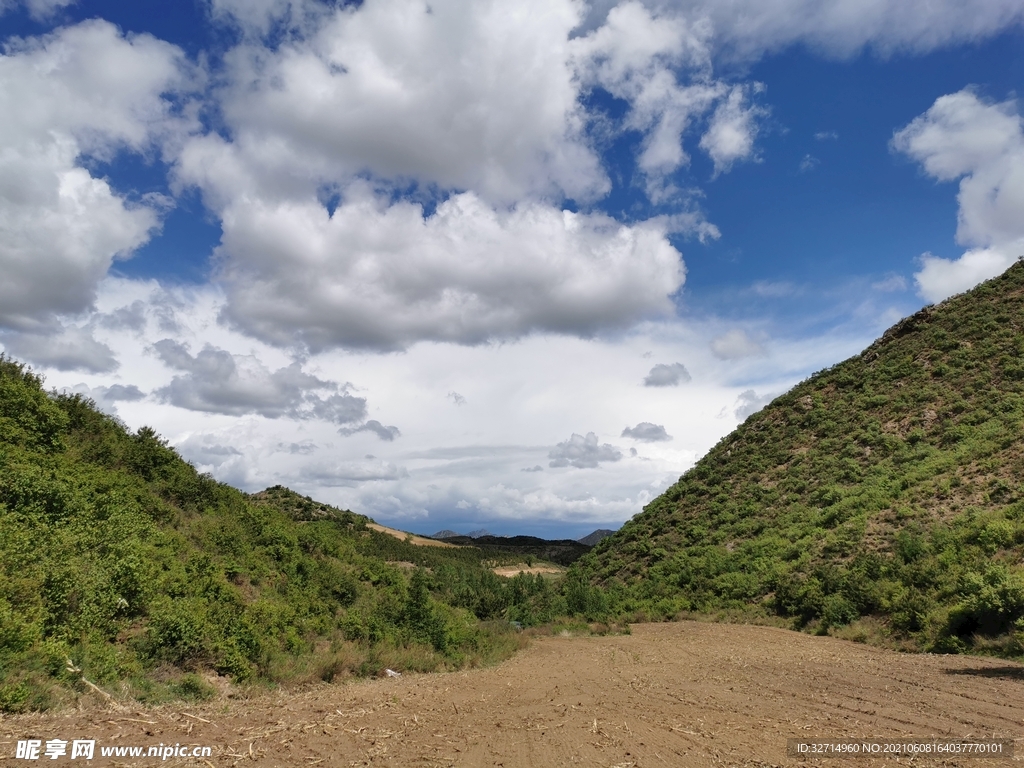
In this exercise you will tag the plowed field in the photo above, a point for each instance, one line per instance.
(667, 695)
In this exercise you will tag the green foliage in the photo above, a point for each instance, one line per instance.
(887, 488)
(121, 564)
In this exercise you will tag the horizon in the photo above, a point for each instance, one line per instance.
(475, 265)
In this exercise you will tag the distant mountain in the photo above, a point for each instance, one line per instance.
(884, 493)
(447, 534)
(591, 539)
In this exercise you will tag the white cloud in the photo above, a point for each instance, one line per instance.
(941, 278)
(39, 10)
(891, 284)
(65, 348)
(80, 91)
(335, 135)
(582, 452)
(660, 63)
(353, 473)
(667, 375)
(735, 344)
(480, 106)
(386, 276)
(733, 128)
(463, 94)
(106, 398)
(749, 402)
(524, 398)
(646, 432)
(258, 18)
(217, 381)
(111, 394)
(827, 135)
(374, 427)
(964, 137)
(748, 29)
(808, 163)
(634, 56)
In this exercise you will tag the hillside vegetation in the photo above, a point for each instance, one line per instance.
(125, 572)
(880, 498)
(561, 551)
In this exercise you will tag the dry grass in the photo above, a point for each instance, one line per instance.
(419, 541)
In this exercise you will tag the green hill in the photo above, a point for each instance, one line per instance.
(125, 572)
(884, 493)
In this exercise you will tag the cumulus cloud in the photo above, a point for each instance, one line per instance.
(436, 99)
(734, 345)
(216, 381)
(435, 93)
(733, 129)
(202, 450)
(131, 317)
(749, 402)
(667, 375)
(964, 137)
(582, 452)
(106, 398)
(636, 55)
(213, 454)
(258, 18)
(379, 275)
(647, 432)
(941, 278)
(374, 426)
(82, 91)
(64, 348)
(748, 29)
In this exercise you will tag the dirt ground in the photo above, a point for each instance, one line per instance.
(686, 694)
(419, 541)
(515, 570)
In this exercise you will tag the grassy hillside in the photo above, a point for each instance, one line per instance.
(125, 572)
(883, 496)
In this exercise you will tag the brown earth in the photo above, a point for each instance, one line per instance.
(419, 541)
(515, 570)
(686, 694)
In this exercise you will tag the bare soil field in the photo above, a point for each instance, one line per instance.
(419, 541)
(515, 570)
(685, 694)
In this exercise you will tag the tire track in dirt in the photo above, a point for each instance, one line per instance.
(667, 695)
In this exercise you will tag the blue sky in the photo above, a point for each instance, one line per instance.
(513, 266)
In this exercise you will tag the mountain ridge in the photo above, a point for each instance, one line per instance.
(882, 493)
